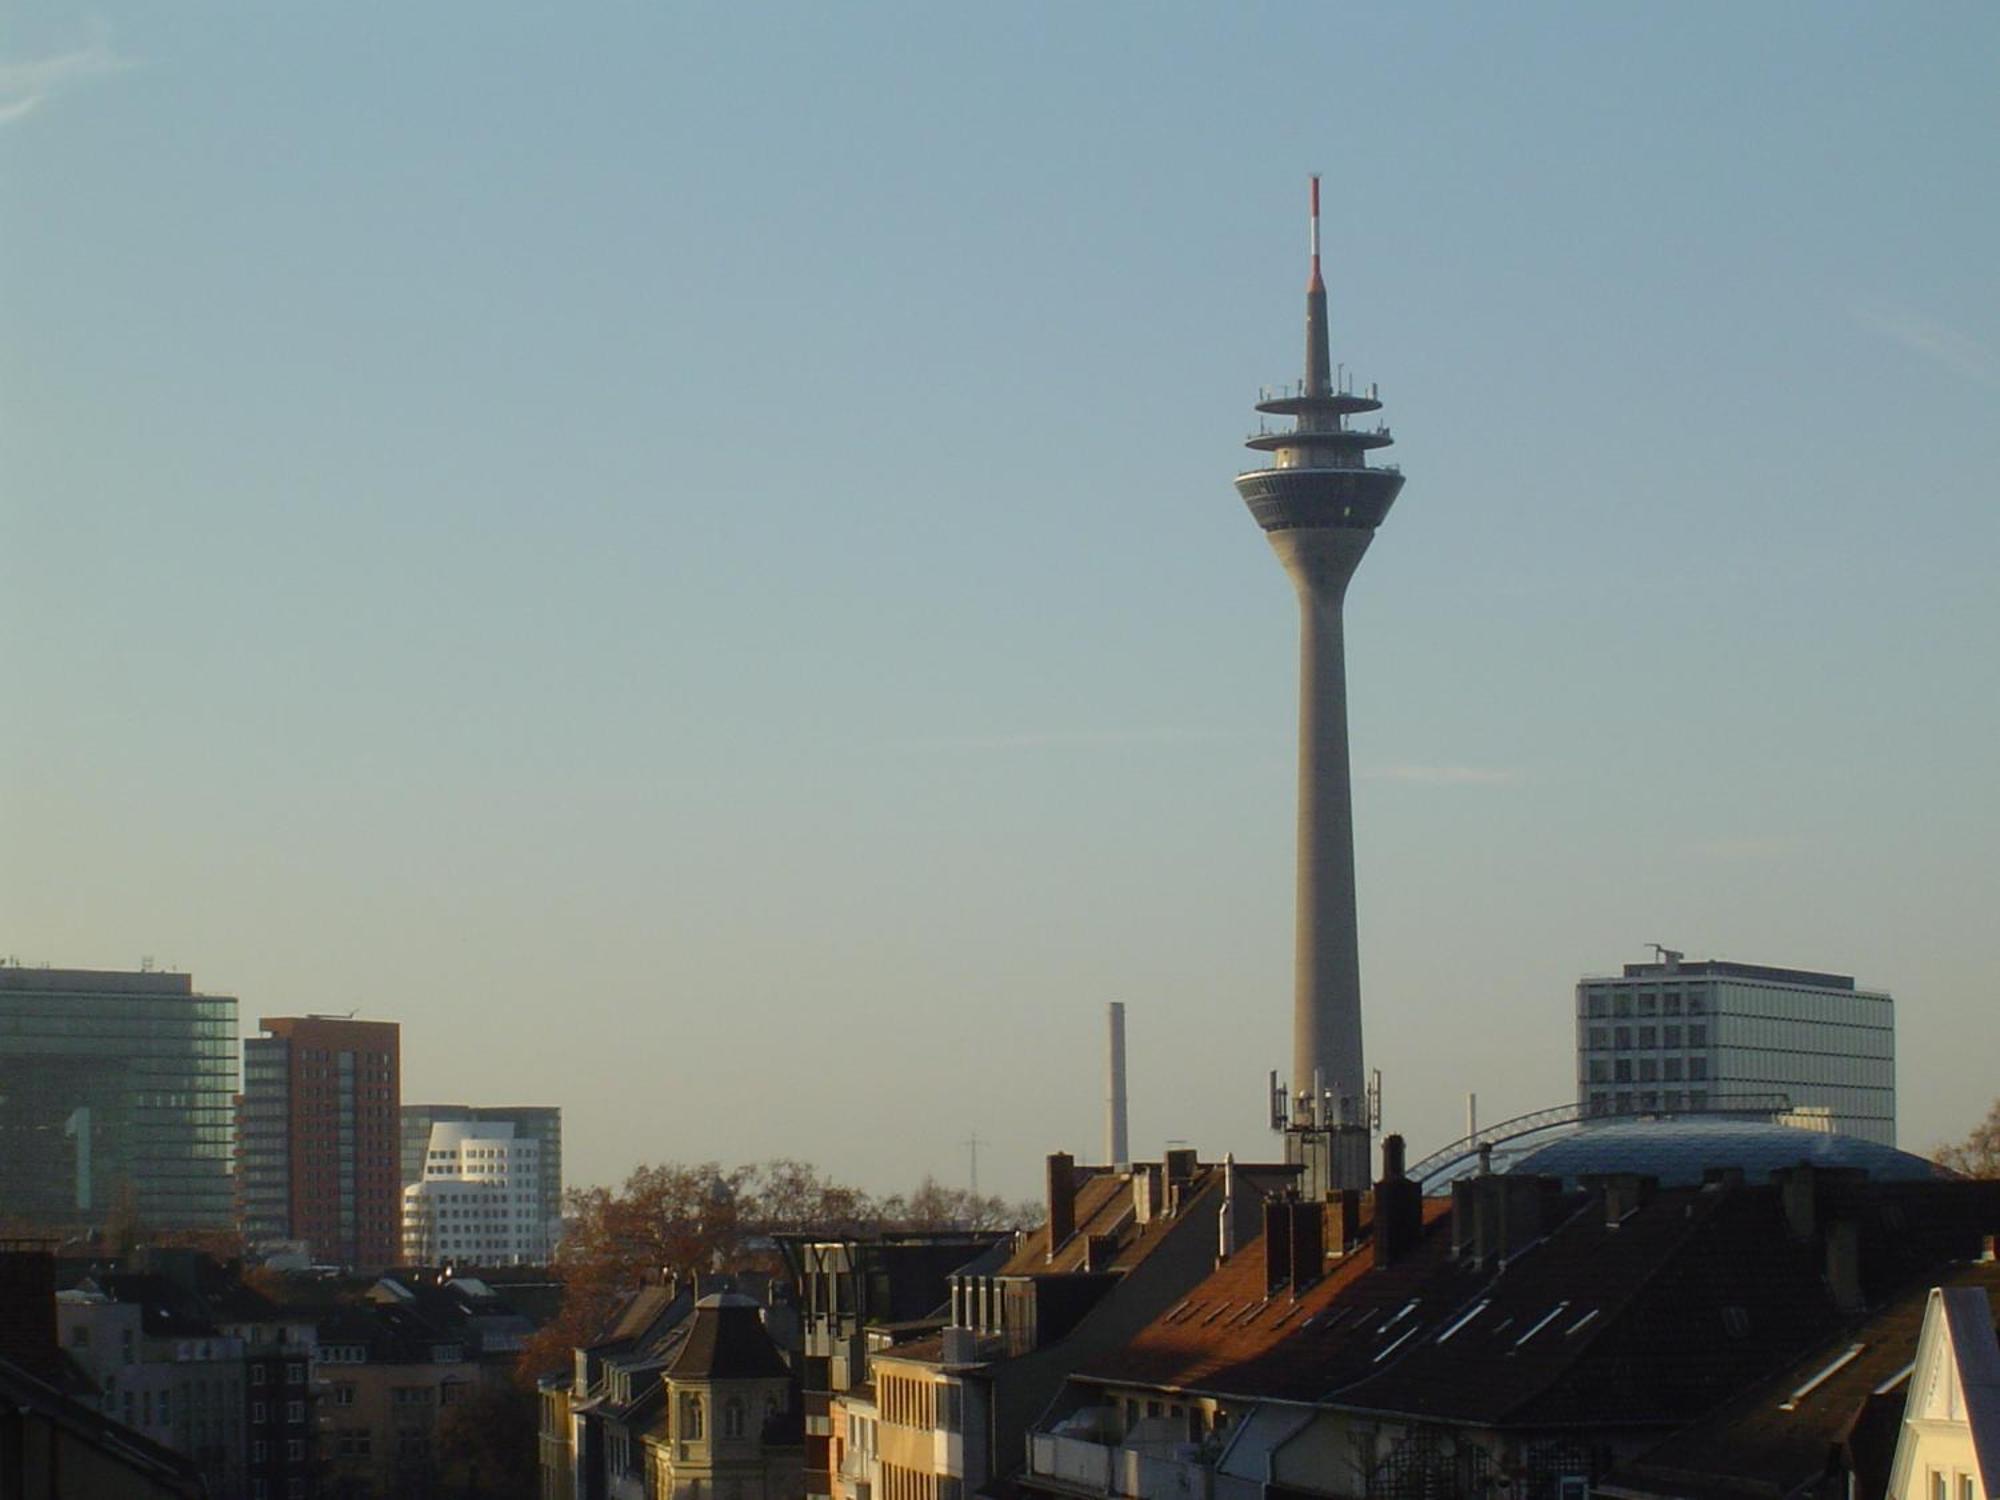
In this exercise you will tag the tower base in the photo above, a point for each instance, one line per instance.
(1335, 1157)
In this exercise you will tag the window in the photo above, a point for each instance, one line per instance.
(1599, 1037)
(1697, 1067)
(79, 1336)
(259, 1411)
(1670, 1036)
(295, 1450)
(1697, 1036)
(343, 1394)
(1621, 1005)
(1649, 1005)
(295, 1411)
(1600, 1070)
(733, 1419)
(1649, 1070)
(259, 1451)
(1649, 1038)
(257, 1374)
(1672, 1069)
(295, 1373)
(1622, 1070)
(1597, 1005)
(1622, 1038)
(1670, 1005)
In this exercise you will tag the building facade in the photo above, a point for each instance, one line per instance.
(539, 1123)
(115, 1096)
(479, 1201)
(319, 1161)
(1673, 1035)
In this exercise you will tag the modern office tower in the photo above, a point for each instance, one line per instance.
(480, 1200)
(318, 1159)
(1671, 1035)
(540, 1123)
(1319, 503)
(116, 1093)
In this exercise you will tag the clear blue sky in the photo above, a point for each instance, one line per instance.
(687, 553)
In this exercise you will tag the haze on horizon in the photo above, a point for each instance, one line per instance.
(687, 555)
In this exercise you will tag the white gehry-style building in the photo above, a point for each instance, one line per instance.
(479, 1202)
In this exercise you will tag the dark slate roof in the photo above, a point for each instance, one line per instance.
(727, 1341)
(1778, 1434)
(1641, 1321)
(166, 1310)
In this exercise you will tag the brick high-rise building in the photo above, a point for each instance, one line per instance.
(319, 1138)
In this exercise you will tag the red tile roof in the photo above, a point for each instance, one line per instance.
(1638, 1321)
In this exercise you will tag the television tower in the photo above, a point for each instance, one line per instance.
(1319, 504)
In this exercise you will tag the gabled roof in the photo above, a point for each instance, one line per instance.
(1633, 1322)
(1955, 1381)
(1106, 1205)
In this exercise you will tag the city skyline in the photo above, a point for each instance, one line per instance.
(699, 550)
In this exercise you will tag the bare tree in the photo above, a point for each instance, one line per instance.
(1978, 1155)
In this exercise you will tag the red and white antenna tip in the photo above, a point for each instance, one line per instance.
(1315, 230)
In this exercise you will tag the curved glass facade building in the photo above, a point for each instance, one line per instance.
(116, 1095)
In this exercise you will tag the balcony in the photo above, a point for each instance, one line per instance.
(1087, 1468)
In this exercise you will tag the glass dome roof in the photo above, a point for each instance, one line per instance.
(1680, 1151)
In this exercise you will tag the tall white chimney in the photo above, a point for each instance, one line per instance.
(1117, 1148)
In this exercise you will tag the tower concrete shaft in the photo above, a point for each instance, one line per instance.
(1319, 503)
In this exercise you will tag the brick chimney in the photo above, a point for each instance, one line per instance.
(1308, 1255)
(1062, 1199)
(1343, 1221)
(1277, 1244)
(1399, 1207)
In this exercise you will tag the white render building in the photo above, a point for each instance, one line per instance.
(479, 1202)
(1672, 1035)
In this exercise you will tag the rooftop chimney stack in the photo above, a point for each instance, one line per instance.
(1117, 1139)
(1062, 1199)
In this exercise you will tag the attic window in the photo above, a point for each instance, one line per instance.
(1791, 1403)
(1464, 1318)
(1408, 1334)
(1407, 1308)
(1896, 1379)
(1540, 1323)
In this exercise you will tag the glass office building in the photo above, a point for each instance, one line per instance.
(116, 1094)
(1670, 1036)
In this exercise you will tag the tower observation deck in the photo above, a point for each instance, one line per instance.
(1319, 502)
